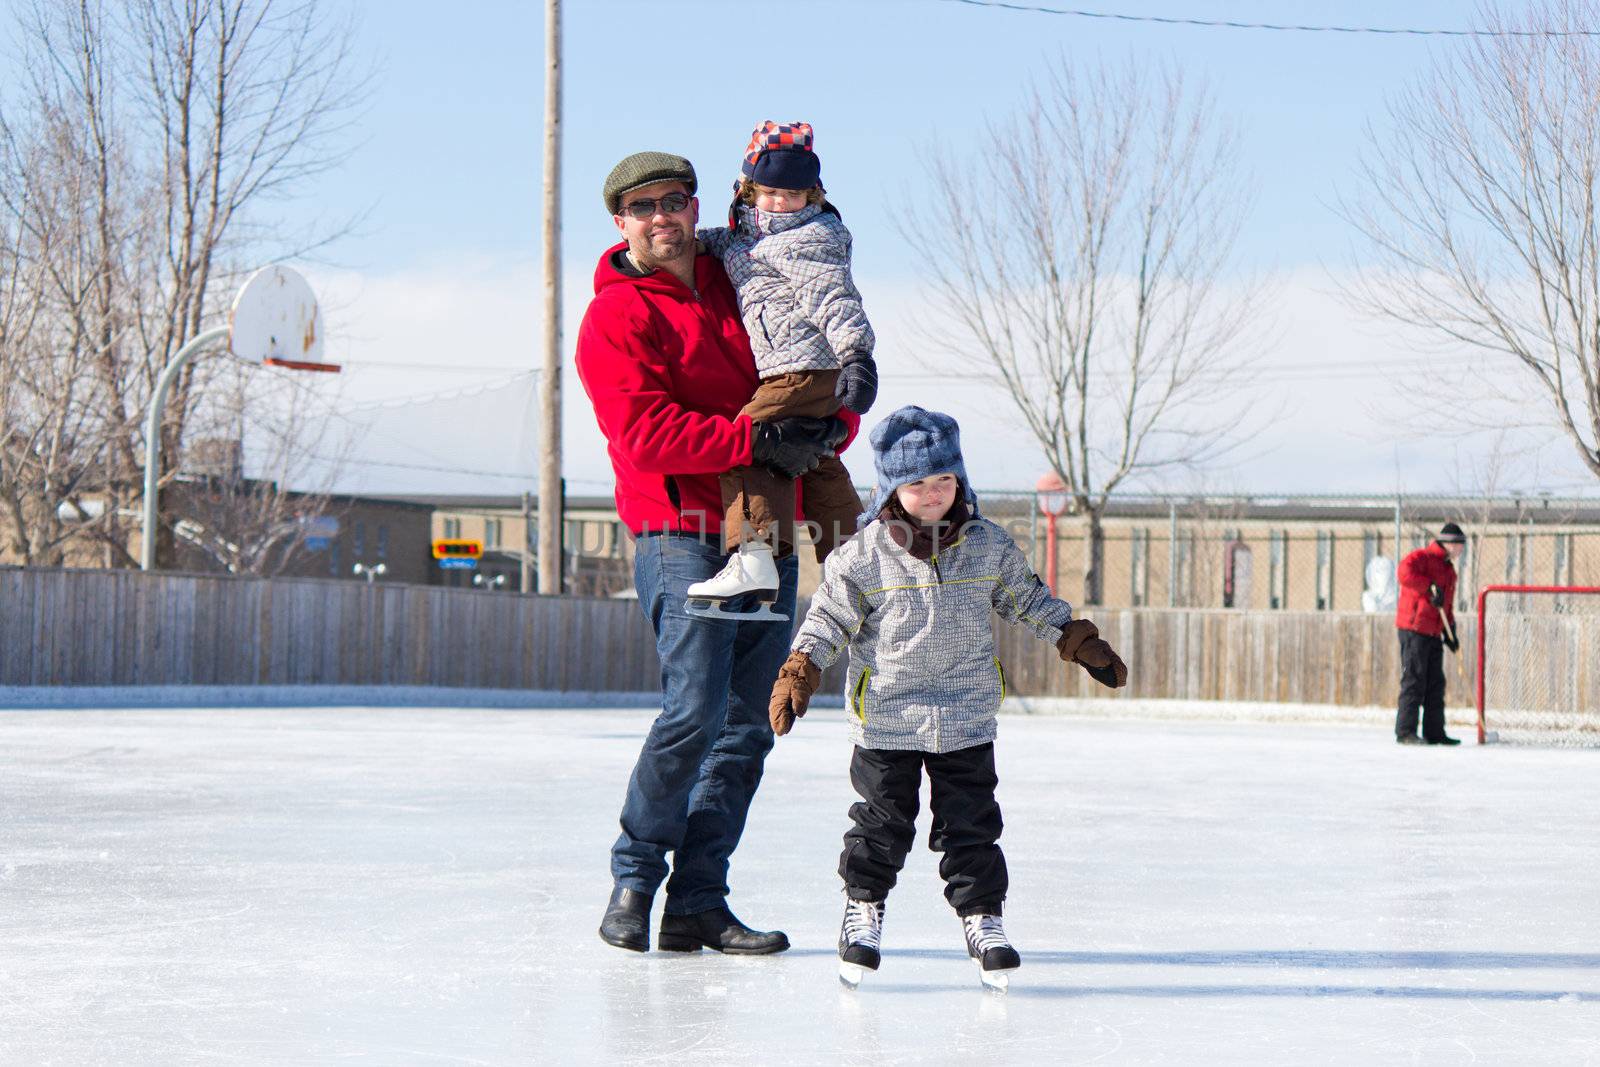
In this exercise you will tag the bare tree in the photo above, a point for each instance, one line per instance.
(1479, 206)
(257, 524)
(183, 124)
(52, 400)
(1080, 259)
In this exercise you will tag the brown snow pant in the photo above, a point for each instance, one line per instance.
(760, 505)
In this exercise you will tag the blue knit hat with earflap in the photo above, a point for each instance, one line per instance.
(912, 444)
(782, 156)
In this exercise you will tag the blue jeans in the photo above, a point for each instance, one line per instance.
(701, 762)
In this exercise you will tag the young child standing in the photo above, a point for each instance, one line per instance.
(788, 255)
(911, 597)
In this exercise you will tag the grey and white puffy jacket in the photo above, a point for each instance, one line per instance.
(923, 672)
(791, 272)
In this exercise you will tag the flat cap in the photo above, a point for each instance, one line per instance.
(646, 168)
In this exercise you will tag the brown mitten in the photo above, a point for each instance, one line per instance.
(791, 693)
(1081, 644)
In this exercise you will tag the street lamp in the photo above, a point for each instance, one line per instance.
(275, 322)
(497, 582)
(372, 573)
(1051, 492)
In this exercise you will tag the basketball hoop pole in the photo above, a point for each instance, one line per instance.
(152, 435)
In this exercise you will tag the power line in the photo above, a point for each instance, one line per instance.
(525, 476)
(1230, 24)
(427, 368)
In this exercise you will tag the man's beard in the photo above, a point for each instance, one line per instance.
(666, 248)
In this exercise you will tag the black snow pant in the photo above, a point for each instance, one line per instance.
(966, 824)
(1421, 683)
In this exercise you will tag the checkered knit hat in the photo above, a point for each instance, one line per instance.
(781, 156)
(912, 444)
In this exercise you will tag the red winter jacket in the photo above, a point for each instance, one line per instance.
(667, 371)
(1424, 567)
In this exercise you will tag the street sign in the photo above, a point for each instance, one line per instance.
(458, 548)
(457, 563)
(319, 531)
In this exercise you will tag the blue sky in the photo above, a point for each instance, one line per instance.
(448, 158)
(452, 157)
(444, 272)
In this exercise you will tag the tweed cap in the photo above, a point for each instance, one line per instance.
(646, 168)
(912, 444)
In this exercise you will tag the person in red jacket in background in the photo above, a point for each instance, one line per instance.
(664, 358)
(1427, 622)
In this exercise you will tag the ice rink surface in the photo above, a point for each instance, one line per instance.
(405, 886)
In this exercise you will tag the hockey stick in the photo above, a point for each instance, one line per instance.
(1448, 630)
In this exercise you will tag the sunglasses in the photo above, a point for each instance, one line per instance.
(670, 204)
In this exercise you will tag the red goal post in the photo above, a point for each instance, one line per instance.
(1544, 684)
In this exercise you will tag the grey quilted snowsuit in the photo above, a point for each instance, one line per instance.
(923, 672)
(791, 272)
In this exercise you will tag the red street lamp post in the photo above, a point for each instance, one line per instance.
(1052, 494)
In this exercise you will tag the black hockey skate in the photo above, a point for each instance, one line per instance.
(859, 938)
(989, 949)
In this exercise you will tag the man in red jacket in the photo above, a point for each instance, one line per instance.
(1427, 622)
(667, 365)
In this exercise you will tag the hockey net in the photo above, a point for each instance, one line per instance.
(1539, 665)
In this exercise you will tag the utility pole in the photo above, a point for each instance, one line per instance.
(550, 512)
(528, 538)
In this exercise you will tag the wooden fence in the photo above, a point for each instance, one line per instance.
(1217, 654)
(64, 627)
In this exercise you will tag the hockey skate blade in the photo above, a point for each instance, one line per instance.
(997, 981)
(713, 609)
(850, 974)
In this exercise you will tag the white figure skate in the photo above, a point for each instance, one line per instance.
(750, 571)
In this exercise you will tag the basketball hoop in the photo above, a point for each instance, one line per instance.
(275, 322)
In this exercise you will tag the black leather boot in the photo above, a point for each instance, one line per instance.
(627, 920)
(717, 929)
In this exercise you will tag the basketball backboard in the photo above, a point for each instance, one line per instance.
(275, 321)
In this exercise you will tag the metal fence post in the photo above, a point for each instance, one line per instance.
(1172, 554)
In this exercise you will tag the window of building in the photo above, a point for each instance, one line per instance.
(1516, 550)
(1238, 567)
(491, 533)
(335, 558)
(452, 528)
(383, 540)
(1183, 569)
(1140, 567)
(1278, 569)
(1563, 574)
(1371, 547)
(1324, 570)
(358, 541)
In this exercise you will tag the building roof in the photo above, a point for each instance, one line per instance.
(1372, 508)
